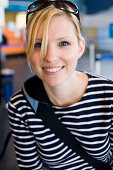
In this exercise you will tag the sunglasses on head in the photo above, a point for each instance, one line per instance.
(66, 6)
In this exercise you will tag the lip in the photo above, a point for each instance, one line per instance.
(52, 70)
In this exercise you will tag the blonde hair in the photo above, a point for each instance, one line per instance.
(34, 22)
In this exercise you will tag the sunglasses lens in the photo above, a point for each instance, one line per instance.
(34, 6)
(66, 6)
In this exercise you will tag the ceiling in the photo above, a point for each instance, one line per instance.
(87, 6)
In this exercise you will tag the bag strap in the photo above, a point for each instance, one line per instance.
(46, 113)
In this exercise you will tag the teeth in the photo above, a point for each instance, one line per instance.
(52, 69)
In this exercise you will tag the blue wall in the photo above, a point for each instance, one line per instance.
(91, 6)
(94, 6)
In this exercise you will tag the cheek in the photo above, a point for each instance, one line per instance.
(34, 60)
(72, 60)
(72, 57)
(35, 65)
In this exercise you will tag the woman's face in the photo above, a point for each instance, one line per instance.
(63, 51)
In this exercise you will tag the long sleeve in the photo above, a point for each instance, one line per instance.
(111, 134)
(24, 141)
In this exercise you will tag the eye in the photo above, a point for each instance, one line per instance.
(63, 43)
(37, 45)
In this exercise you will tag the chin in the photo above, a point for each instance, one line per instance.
(52, 83)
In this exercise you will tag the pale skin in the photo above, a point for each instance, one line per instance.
(62, 83)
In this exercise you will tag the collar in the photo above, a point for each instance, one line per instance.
(35, 89)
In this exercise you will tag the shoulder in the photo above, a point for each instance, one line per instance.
(19, 108)
(15, 105)
(17, 100)
(19, 96)
(96, 79)
(100, 86)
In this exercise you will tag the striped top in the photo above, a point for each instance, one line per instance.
(90, 120)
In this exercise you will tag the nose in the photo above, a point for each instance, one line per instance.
(51, 54)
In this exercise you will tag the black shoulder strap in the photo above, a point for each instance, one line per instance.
(46, 113)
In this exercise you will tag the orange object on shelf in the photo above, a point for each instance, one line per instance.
(15, 44)
(13, 49)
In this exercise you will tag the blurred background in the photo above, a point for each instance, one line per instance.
(97, 24)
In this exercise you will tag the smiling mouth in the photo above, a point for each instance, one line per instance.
(53, 70)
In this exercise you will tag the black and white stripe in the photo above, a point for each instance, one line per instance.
(89, 120)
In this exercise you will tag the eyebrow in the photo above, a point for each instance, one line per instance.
(67, 37)
(38, 39)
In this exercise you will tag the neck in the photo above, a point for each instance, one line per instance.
(69, 92)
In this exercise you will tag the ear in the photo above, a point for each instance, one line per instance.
(81, 47)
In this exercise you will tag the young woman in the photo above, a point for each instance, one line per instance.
(81, 101)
